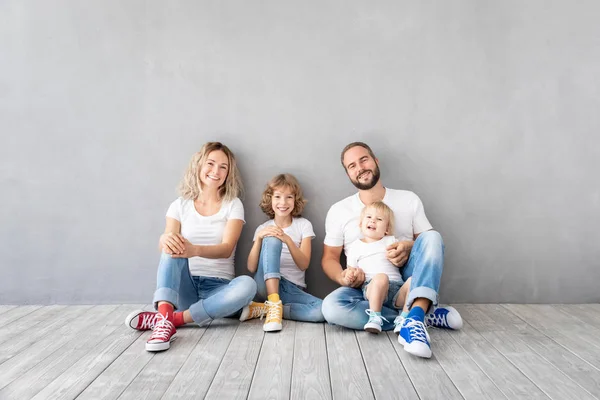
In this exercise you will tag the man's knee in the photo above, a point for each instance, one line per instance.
(431, 238)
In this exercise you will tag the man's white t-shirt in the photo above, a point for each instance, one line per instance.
(299, 229)
(371, 258)
(341, 224)
(206, 231)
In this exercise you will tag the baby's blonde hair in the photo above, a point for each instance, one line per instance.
(387, 212)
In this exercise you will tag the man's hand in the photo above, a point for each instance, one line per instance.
(399, 252)
(352, 277)
(189, 250)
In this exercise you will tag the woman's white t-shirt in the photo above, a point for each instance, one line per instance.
(299, 229)
(206, 231)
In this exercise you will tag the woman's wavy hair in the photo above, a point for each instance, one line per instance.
(190, 186)
(383, 208)
(283, 181)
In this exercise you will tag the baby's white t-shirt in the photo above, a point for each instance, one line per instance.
(371, 258)
(206, 231)
(299, 229)
(341, 224)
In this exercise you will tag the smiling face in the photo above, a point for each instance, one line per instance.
(374, 223)
(213, 172)
(283, 201)
(361, 167)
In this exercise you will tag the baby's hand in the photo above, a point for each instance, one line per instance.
(349, 276)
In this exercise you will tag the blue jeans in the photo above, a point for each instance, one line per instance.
(297, 304)
(207, 298)
(346, 306)
(392, 294)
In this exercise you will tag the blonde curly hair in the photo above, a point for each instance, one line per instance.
(283, 181)
(190, 186)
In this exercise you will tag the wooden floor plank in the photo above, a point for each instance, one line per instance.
(15, 313)
(234, 376)
(389, 379)
(348, 373)
(32, 320)
(156, 376)
(83, 372)
(195, 376)
(45, 347)
(273, 373)
(5, 308)
(120, 373)
(427, 375)
(507, 377)
(10, 349)
(587, 313)
(466, 375)
(35, 379)
(545, 375)
(310, 379)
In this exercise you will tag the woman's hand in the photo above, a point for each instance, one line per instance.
(172, 243)
(189, 250)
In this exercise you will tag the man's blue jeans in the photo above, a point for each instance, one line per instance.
(297, 304)
(206, 297)
(346, 306)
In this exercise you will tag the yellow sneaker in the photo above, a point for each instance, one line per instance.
(253, 310)
(274, 316)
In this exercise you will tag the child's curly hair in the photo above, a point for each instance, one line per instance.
(283, 181)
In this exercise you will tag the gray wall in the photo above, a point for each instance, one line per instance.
(488, 110)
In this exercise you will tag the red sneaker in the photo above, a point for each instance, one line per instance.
(142, 320)
(163, 334)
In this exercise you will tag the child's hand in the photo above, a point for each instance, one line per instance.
(271, 231)
(352, 277)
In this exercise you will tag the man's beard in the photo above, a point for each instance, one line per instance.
(374, 179)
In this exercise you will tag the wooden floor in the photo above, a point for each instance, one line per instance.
(503, 352)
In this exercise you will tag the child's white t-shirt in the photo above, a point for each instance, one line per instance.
(299, 229)
(371, 258)
(206, 231)
(342, 228)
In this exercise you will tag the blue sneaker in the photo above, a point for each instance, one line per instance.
(375, 322)
(444, 317)
(413, 335)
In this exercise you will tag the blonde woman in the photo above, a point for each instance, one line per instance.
(196, 268)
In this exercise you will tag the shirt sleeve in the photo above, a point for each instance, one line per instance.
(389, 240)
(236, 211)
(174, 210)
(420, 221)
(258, 229)
(307, 230)
(334, 234)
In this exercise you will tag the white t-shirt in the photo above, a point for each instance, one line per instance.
(299, 229)
(371, 258)
(341, 224)
(205, 231)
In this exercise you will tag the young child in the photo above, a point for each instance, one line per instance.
(383, 281)
(280, 256)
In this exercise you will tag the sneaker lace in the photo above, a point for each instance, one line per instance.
(258, 311)
(435, 320)
(273, 310)
(416, 330)
(162, 329)
(372, 315)
(148, 320)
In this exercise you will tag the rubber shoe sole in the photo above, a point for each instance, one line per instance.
(418, 349)
(159, 346)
